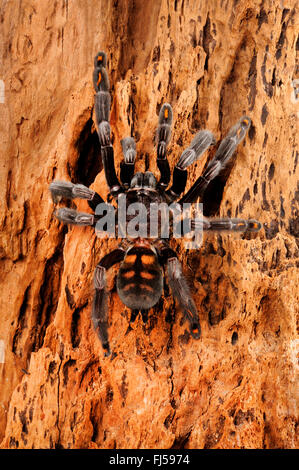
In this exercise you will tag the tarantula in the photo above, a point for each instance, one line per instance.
(140, 276)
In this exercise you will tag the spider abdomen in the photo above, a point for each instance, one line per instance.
(140, 280)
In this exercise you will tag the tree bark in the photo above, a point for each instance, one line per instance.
(214, 62)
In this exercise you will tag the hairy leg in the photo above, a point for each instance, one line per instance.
(223, 155)
(179, 286)
(220, 225)
(100, 302)
(163, 137)
(102, 111)
(68, 190)
(201, 142)
(181, 292)
(128, 163)
(71, 216)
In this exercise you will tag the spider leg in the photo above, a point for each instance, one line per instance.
(71, 216)
(163, 137)
(198, 146)
(99, 313)
(219, 225)
(128, 163)
(223, 155)
(102, 111)
(179, 287)
(226, 224)
(60, 189)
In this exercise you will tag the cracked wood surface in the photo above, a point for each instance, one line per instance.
(213, 61)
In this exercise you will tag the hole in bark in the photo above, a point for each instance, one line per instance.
(48, 296)
(89, 162)
(212, 196)
(234, 338)
(215, 318)
(181, 441)
(75, 337)
(21, 321)
(65, 370)
(94, 419)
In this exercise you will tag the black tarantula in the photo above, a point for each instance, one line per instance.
(140, 277)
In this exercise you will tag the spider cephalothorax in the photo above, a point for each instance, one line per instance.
(143, 254)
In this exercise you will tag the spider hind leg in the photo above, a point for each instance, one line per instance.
(99, 313)
(181, 292)
(179, 287)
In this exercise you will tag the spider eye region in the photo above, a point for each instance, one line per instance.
(144, 180)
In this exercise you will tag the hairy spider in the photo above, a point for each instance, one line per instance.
(140, 276)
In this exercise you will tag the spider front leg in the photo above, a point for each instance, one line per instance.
(163, 137)
(179, 287)
(198, 146)
(68, 190)
(71, 216)
(102, 111)
(223, 155)
(128, 164)
(100, 302)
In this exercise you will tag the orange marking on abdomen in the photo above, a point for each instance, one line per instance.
(146, 275)
(130, 259)
(99, 79)
(129, 286)
(128, 274)
(147, 259)
(147, 287)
